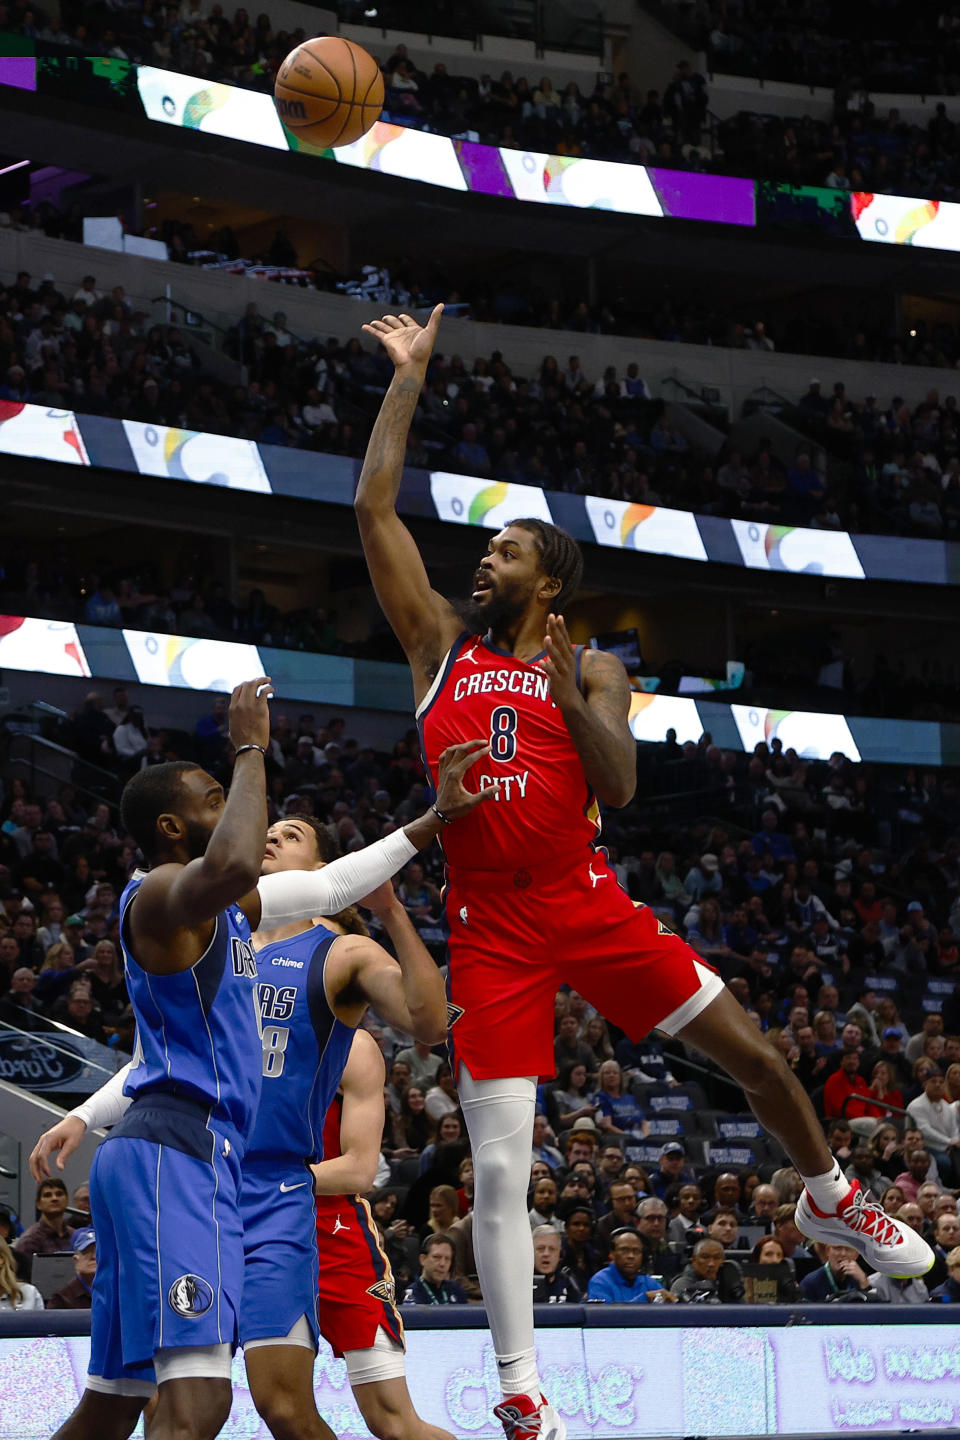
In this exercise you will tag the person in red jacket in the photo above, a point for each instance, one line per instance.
(843, 1082)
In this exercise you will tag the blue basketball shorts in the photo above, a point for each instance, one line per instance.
(169, 1250)
(279, 1249)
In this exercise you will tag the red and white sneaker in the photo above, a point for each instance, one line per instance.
(523, 1419)
(887, 1244)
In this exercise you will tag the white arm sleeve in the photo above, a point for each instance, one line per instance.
(106, 1105)
(303, 894)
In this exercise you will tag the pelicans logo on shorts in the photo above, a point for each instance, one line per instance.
(190, 1296)
(384, 1290)
(453, 1013)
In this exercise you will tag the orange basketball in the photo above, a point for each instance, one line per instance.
(329, 92)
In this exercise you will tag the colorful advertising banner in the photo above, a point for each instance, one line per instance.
(651, 716)
(408, 154)
(191, 664)
(491, 503)
(652, 529)
(803, 552)
(814, 737)
(174, 99)
(32, 430)
(193, 455)
(45, 647)
(40, 433)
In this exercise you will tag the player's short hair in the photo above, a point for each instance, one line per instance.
(560, 556)
(148, 795)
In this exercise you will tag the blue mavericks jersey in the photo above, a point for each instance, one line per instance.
(198, 1031)
(305, 1047)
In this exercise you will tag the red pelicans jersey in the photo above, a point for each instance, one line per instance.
(544, 800)
(357, 1292)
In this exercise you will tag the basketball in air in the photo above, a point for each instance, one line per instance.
(329, 92)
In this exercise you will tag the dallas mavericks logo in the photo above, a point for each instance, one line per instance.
(190, 1296)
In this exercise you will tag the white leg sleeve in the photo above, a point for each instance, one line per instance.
(499, 1116)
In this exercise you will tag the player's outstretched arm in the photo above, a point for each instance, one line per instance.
(292, 895)
(104, 1107)
(171, 920)
(597, 716)
(361, 1123)
(424, 622)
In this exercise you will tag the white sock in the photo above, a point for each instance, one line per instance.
(826, 1191)
(518, 1374)
(499, 1116)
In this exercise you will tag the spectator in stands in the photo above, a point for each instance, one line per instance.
(77, 1294)
(840, 1274)
(553, 1282)
(949, 1291)
(689, 1206)
(940, 1125)
(910, 1180)
(544, 1148)
(441, 1098)
(842, 1091)
(671, 1168)
(623, 1214)
(568, 1048)
(422, 1062)
(15, 1294)
(946, 1235)
(623, 1281)
(894, 1291)
(570, 1100)
(618, 1114)
(543, 1198)
(709, 1278)
(433, 1285)
(50, 1233)
(862, 1168)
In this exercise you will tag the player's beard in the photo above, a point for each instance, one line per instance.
(498, 612)
(197, 838)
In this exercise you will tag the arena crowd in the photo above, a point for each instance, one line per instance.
(826, 894)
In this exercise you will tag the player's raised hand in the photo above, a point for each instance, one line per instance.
(250, 713)
(560, 663)
(408, 344)
(64, 1137)
(454, 800)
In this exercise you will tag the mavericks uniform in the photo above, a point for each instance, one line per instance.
(531, 901)
(357, 1292)
(305, 1048)
(164, 1184)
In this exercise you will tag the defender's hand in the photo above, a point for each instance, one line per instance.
(453, 800)
(64, 1137)
(250, 713)
(408, 344)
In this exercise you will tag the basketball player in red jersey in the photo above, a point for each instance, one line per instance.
(358, 1315)
(531, 903)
